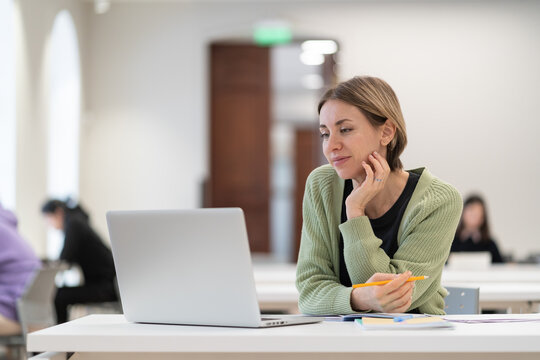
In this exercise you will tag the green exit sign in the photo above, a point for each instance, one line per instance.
(266, 35)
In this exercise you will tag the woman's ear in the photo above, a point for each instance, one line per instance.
(59, 212)
(388, 132)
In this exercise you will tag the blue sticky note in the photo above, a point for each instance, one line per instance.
(402, 318)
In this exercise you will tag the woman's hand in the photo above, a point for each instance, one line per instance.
(396, 296)
(374, 182)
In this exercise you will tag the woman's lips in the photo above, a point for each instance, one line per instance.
(340, 160)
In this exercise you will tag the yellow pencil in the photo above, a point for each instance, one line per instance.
(413, 278)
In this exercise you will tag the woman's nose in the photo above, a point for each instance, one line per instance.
(333, 142)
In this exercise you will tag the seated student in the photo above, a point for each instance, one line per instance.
(473, 230)
(84, 247)
(366, 219)
(18, 263)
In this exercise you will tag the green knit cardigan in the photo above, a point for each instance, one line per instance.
(424, 238)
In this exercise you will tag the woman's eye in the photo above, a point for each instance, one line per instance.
(324, 135)
(345, 130)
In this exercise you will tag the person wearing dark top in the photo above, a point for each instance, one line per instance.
(367, 219)
(385, 227)
(473, 232)
(84, 247)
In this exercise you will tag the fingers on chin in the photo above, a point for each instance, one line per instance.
(367, 168)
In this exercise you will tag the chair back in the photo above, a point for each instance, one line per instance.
(36, 305)
(462, 300)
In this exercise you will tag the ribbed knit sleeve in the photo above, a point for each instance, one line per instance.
(424, 239)
(317, 276)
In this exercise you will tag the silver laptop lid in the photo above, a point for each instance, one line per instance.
(184, 266)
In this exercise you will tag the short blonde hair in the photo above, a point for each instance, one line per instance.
(378, 102)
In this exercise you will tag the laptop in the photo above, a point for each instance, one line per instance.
(474, 260)
(188, 267)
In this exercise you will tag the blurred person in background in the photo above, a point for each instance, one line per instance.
(18, 262)
(83, 247)
(473, 233)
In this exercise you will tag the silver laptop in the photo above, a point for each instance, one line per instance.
(188, 267)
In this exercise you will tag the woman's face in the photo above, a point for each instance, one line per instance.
(473, 215)
(56, 219)
(348, 138)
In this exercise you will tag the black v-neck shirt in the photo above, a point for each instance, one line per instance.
(385, 227)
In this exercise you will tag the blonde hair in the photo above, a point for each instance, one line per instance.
(378, 102)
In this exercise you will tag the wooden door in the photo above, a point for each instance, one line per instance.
(240, 135)
(308, 155)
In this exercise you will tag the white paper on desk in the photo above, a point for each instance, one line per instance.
(352, 317)
(487, 320)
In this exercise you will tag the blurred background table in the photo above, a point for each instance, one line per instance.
(512, 288)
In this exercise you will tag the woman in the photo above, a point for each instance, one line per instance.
(18, 262)
(473, 230)
(365, 218)
(84, 247)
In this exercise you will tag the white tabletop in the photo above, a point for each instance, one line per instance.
(489, 292)
(112, 333)
(504, 292)
(496, 273)
(274, 273)
(501, 286)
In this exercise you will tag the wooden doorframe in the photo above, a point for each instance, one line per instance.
(240, 99)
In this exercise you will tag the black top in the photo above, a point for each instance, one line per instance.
(85, 248)
(470, 245)
(385, 227)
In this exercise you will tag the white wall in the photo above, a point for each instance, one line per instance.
(468, 79)
(7, 105)
(143, 140)
(33, 23)
(466, 74)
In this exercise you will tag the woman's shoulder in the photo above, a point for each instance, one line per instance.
(76, 223)
(324, 182)
(434, 192)
(322, 175)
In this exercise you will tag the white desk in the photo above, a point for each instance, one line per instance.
(276, 289)
(515, 288)
(111, 337)
(512, 297)
(495, 273)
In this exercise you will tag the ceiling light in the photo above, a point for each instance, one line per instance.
(101, 6)
(311, 58)
(320, 46)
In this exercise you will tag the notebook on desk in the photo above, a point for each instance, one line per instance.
(190, 267)
(415, 322)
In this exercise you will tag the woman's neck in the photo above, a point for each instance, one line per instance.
(471, 232)
(384, 200)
